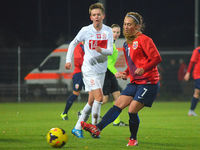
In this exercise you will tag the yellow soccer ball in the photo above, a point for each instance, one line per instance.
(57, 137)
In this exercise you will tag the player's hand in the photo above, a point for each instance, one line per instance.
(118, 75)
(139, 71)
(123, 75)
(187, 76)
(98, 49)
(68, 66)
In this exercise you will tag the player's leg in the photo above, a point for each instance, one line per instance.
(96, 107)
(195, 98)
(109, 117)
(69, 103)
(117, 121)
(106, 88)
(83, 117)
(123, 101)
(98, 96)
(134, 121)
(116, 95)
(77, 86)
(105, 98)
(194, 102)
(85, 111)
(145, 96)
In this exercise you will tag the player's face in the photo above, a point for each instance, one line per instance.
(97, 17)
(129, 26)
(116, 33)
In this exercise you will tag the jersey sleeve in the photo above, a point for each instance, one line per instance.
(112, 60)
(195, 56)
(79, 37)
(193, 60)
(152, 52)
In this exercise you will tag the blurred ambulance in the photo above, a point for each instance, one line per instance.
(51, 77)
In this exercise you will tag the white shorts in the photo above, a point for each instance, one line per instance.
(93, 82)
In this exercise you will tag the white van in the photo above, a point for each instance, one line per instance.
(51, 77)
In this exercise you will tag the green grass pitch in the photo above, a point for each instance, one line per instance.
(165, 126)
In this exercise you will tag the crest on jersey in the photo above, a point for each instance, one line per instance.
(98, 36)
(104, 36)
(76, 86)
(135, 45)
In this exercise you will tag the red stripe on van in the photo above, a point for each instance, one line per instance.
(60, 50)
(120, 49)
(40, 76)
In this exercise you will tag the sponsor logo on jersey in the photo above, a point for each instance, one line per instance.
(135, 45)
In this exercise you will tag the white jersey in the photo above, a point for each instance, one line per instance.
(94, 62)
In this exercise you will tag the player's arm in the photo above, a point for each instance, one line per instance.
(193, 60)
(71, 48)
(112, 61)
(70, 52)
(187, 75)
(153, 55)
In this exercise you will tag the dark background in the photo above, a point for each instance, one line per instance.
(39, 26)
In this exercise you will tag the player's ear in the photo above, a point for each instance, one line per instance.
(138, 27)
(104, 16)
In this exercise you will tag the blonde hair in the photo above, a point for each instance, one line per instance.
(97, 6)
(137, 19)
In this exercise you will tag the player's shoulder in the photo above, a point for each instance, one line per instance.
(105, 27)
(144, 37)
(85, 28)
(197, 49)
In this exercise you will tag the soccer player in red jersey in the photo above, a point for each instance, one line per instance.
(142, 58)
(77, 79)
(194, 61)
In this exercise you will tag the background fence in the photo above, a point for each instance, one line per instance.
(171, 70)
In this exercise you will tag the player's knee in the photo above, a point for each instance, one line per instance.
(196, 93)
(105, 99)
(196, 96)
(99, 98)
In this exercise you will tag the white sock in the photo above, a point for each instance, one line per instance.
(96, 111)
(85, 113)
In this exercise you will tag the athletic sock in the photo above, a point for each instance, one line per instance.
(96, 111)
(134, 122)
(117, 120)
(85, 113)
(109, 117)
(194, 102)
(69, 103)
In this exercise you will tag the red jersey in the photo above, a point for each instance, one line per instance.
(78, 57)
(142, 53)
(195, 60)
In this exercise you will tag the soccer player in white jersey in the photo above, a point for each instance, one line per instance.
(98, 44)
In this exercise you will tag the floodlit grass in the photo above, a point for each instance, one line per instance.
(165, 126)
